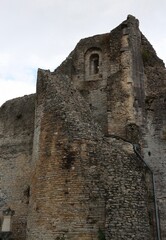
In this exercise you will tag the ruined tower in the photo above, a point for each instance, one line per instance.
(84, 158)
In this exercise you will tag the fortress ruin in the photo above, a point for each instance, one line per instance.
(85, 157)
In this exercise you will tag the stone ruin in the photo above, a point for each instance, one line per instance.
(85, 157)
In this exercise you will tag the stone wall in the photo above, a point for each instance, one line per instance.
(82, 183)
(133, 95)
(92, 86)
(72, 173)
(154, 145)
(117, 90)
(16, 139)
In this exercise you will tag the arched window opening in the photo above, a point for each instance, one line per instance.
(94, 64)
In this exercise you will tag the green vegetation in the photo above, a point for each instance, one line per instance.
(101, 235)
(146, 55)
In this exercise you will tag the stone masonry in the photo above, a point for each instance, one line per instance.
(84, 158)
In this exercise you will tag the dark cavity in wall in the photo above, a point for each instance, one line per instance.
(68, 160)
(27, 194)
(19, 116)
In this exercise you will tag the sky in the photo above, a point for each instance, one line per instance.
(41, 34)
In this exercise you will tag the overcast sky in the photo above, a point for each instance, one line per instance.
(41, 33)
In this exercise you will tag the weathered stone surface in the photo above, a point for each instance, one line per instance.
(92, 185)
(154, 134)
(16, 131)
(95, 117)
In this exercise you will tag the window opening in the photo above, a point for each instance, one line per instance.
(94, 64)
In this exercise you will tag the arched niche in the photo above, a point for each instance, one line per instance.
(93, 64)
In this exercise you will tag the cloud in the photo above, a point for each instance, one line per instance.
(12, 89)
